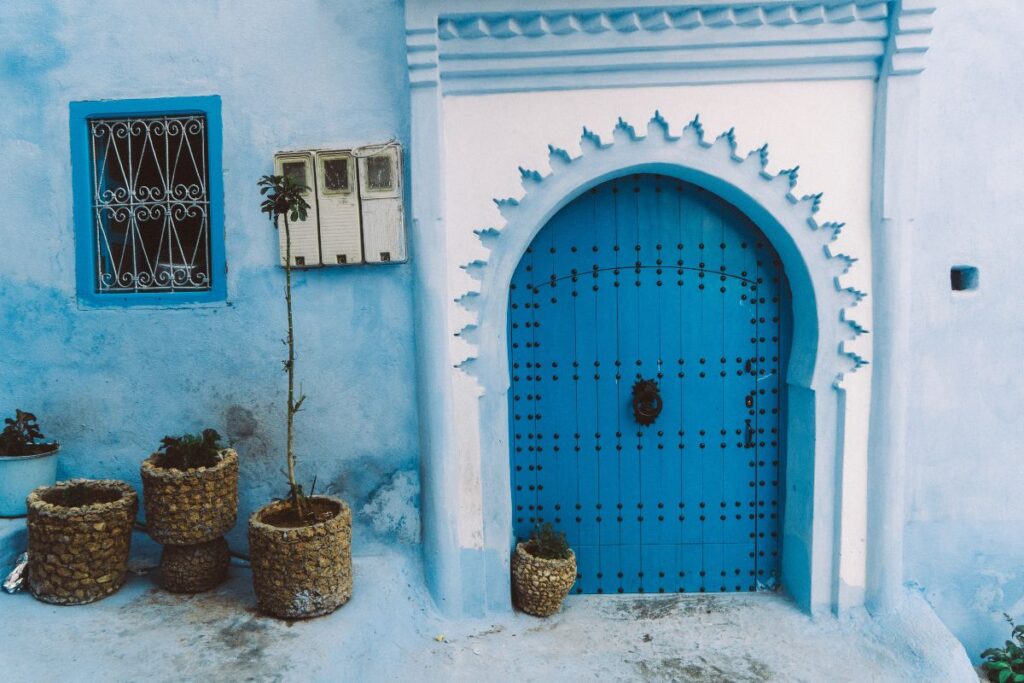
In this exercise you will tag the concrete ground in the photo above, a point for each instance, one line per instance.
(390, 631)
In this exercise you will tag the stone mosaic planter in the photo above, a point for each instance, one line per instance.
(194, 568)
(186, 507)
(79, 536)
(189, 511)
(306, 571)
(539, 585)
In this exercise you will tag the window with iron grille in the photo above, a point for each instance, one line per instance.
(152, 189)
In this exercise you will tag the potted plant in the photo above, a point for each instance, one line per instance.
(543, 571)
(1006, 664)
(26, 462)
(79, 536)
(190, 494)
(300, 547)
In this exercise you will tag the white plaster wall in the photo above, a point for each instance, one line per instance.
(965, 424)
(824, 127)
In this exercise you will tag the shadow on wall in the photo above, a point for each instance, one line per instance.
(384, 499)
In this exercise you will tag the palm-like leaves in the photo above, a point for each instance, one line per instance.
(283, 197)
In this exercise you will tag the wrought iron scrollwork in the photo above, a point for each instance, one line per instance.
(151, 203)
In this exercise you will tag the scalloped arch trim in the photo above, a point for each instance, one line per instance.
(787, 220)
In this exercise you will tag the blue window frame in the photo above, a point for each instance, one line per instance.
(148, 201)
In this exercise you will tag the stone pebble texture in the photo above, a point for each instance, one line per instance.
(194, 568)
(192, 506)
(79, 554)
(540, 585)
(305, 571)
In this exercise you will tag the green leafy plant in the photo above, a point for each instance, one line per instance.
(283, 202)
(1006, 664)
(190, 450)
(21, 436)
(547, 543)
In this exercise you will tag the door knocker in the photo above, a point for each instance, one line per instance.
(647, 401)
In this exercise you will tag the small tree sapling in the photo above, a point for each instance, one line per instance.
(284, 202)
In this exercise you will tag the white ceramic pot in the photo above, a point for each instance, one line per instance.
(20, 475)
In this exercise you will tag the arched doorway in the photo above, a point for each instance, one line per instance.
(647, 277)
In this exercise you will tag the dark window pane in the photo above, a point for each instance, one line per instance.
(336, 174)
(296, 170)
(150, 204)
(378, 168)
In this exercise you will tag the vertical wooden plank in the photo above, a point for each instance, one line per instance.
(691, 335)
(558, 396)
(524, 503)
(543, 345)
(650, 361)
(739, 387)
(603, 224)
(670, 422)
(628, 510)
(587, 426)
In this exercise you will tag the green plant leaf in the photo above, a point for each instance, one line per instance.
(190, 450)
(21, 436)
(1004, 675)
(546, 542)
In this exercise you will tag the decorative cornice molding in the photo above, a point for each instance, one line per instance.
(911, 33)
(421, 57)
(489, 51)
(628, 21)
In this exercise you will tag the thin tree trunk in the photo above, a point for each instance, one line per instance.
(296, 496)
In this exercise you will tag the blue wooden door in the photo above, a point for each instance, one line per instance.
(649, 278)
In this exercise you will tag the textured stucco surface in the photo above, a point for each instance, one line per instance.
(964, 546)
(110, 383)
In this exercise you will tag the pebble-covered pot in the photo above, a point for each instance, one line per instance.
(186, 507)
(79, 554)
(540, 585)
(304, 571)
(194, 568)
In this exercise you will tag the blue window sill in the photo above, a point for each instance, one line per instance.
(100, 302)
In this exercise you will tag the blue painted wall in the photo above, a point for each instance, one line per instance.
(964, 537)
(110, 383)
